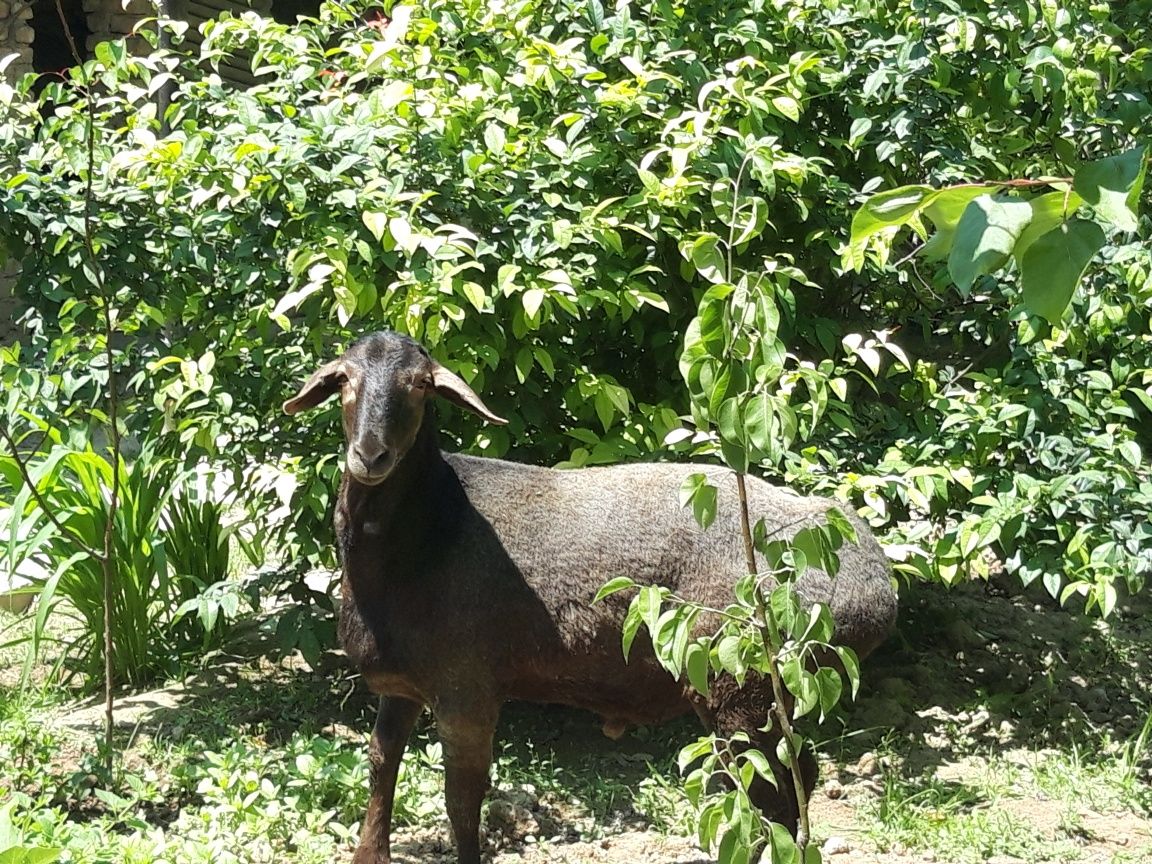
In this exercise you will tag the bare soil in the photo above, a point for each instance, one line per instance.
(972, 682)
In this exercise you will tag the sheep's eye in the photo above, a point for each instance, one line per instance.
(341, 380)
(422, 383)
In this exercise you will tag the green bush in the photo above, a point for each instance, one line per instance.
(170, 547)
(538, 192)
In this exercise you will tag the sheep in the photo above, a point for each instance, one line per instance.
(468, 582)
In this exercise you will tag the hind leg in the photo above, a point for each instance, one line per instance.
(732, 710)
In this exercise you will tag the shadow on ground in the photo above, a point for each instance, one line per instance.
(971, 667)
(969, 670)
(965, 666)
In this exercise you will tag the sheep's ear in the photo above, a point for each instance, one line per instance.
(324, 382)
(451, 386)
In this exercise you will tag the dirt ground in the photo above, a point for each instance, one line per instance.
(972, 680)
(970, 703)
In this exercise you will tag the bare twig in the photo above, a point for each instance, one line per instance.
(1013, 184)
(745, 527)
(770, 633)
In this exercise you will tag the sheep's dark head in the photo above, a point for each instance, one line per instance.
(384, 380)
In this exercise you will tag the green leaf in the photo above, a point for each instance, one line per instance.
(760, 762)
(631, 626)
(944, 211)
(375, 222)
(495, 139)
(1048, 211)
(984, 239)
(788, 107)
(783, 847)
(758, 415)
(696, 663)
(1130, 450)
(690, 753)
(705, 254)
(401, 230)
(829, 687)
(883, 211)
(532, 298)
(613, 586)
(524, 360)
(1052, 266)
(861, 126)
(754, 216)
(1112, 187)
(475, 294)
(649, 602)
(728, 654)
(851, 664)
(704, 505)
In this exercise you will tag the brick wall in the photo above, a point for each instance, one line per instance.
(20, 21)
(109, 19)
(16, 36)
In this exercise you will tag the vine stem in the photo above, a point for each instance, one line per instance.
(108, 558)
(770, 635)
(1015, 184)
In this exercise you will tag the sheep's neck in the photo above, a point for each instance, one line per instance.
(390, 521)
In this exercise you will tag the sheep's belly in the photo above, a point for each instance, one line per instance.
(635, 696)
(385, 684)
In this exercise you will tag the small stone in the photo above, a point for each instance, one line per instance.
(833, 789)
(512, 820)
(868, 765)
(976, 720)
(929, 856)
(835, 846)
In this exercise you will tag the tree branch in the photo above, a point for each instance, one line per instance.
(770, 636)
(108, 558)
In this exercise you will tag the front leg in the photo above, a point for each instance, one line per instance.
(466, 735)
(394, 722)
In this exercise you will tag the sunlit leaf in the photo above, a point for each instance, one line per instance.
(1112, 186)
(984, 238)
(1053, 265)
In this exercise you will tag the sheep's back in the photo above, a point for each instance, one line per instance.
(569, 532)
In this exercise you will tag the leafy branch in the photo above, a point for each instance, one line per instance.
(979, 231)
(105, 556)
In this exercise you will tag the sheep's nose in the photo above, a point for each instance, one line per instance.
(373, 459)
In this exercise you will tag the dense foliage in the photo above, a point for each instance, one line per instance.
(541, 191)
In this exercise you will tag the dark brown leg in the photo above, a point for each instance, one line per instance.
(466, 734)
(394, 722)
(746, 710)
(778, 802)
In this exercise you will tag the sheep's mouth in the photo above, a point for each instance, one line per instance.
(366, 476)
(369, 479)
